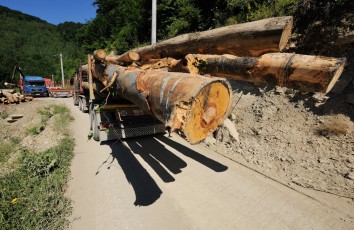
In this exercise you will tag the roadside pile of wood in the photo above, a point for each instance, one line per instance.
(11, 96)
(196, 98)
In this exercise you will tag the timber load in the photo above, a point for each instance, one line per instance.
(183, 81)
(305, 73)
(11, 97)
(190, 104)
(245, 39)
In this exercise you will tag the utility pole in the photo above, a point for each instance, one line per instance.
(62, 70)
(153, 23)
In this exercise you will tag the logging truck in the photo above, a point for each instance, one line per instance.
(111, 117)
(182, 81)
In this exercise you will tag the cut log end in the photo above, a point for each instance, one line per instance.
(99, 54)
(133, 56)
(208, 110)
(337, 74)
(286, 34)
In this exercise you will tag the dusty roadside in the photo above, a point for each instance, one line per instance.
(295, 139)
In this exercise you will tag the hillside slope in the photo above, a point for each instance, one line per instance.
(32, 44)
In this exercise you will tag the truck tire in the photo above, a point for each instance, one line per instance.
(94, 126)
(84, 106)
(76, 99)
(80, 104)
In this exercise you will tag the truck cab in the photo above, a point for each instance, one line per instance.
(33, 86)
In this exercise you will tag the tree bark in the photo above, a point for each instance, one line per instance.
(190, 104)
(303, 72)
(246, 39)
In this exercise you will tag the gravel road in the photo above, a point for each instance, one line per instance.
(157, 182)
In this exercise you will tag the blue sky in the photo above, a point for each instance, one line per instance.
(54, 11)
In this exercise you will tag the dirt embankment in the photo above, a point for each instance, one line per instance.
(304, 140)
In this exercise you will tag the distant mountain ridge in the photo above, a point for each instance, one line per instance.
(18, 14)
(34, 44)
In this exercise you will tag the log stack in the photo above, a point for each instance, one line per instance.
(11, 97)
(182, 81)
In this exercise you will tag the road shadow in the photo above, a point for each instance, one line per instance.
(146, 189)
(210, 163)
(157, 156)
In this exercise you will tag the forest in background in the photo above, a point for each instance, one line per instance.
(34, 44)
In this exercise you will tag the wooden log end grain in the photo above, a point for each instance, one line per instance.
(286, 33)
(337, 73)
(207, 112)
(99, 54)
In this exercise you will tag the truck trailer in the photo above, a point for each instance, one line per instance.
(111, 118)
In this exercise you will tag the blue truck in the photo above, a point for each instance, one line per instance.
(33, 86)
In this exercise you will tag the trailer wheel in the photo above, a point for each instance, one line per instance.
(94, 126)
(80, 104)
(75, 98)
(84, 106)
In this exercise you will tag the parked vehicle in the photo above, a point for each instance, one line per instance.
(33, 86)
(57, 91)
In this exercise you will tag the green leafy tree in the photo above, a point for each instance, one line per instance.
(32, 44)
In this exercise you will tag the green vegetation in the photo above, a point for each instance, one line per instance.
(31, 197)
(31, 193)
(4, 114)
(60, 122)
(34, 45)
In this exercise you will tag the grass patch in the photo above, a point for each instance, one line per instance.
(62, 120)
(4, 114)
(6, 148)
(34, 129)
(32, 192)
(31, 197)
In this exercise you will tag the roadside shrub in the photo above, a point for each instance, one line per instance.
(34, 129)
(62, 120)
(31, 197)
(6, 148)
(59, 109)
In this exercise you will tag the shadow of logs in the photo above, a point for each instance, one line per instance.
(145, 188)
(156, 155)
(214, 165)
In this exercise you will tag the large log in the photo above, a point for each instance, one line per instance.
(190, 104)
(303, 72)
(128, 57)
(246, 39)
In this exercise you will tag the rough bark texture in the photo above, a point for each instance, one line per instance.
(190, 104)
(303, 72)
(246, 39)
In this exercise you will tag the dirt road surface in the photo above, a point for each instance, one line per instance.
(164, 183)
